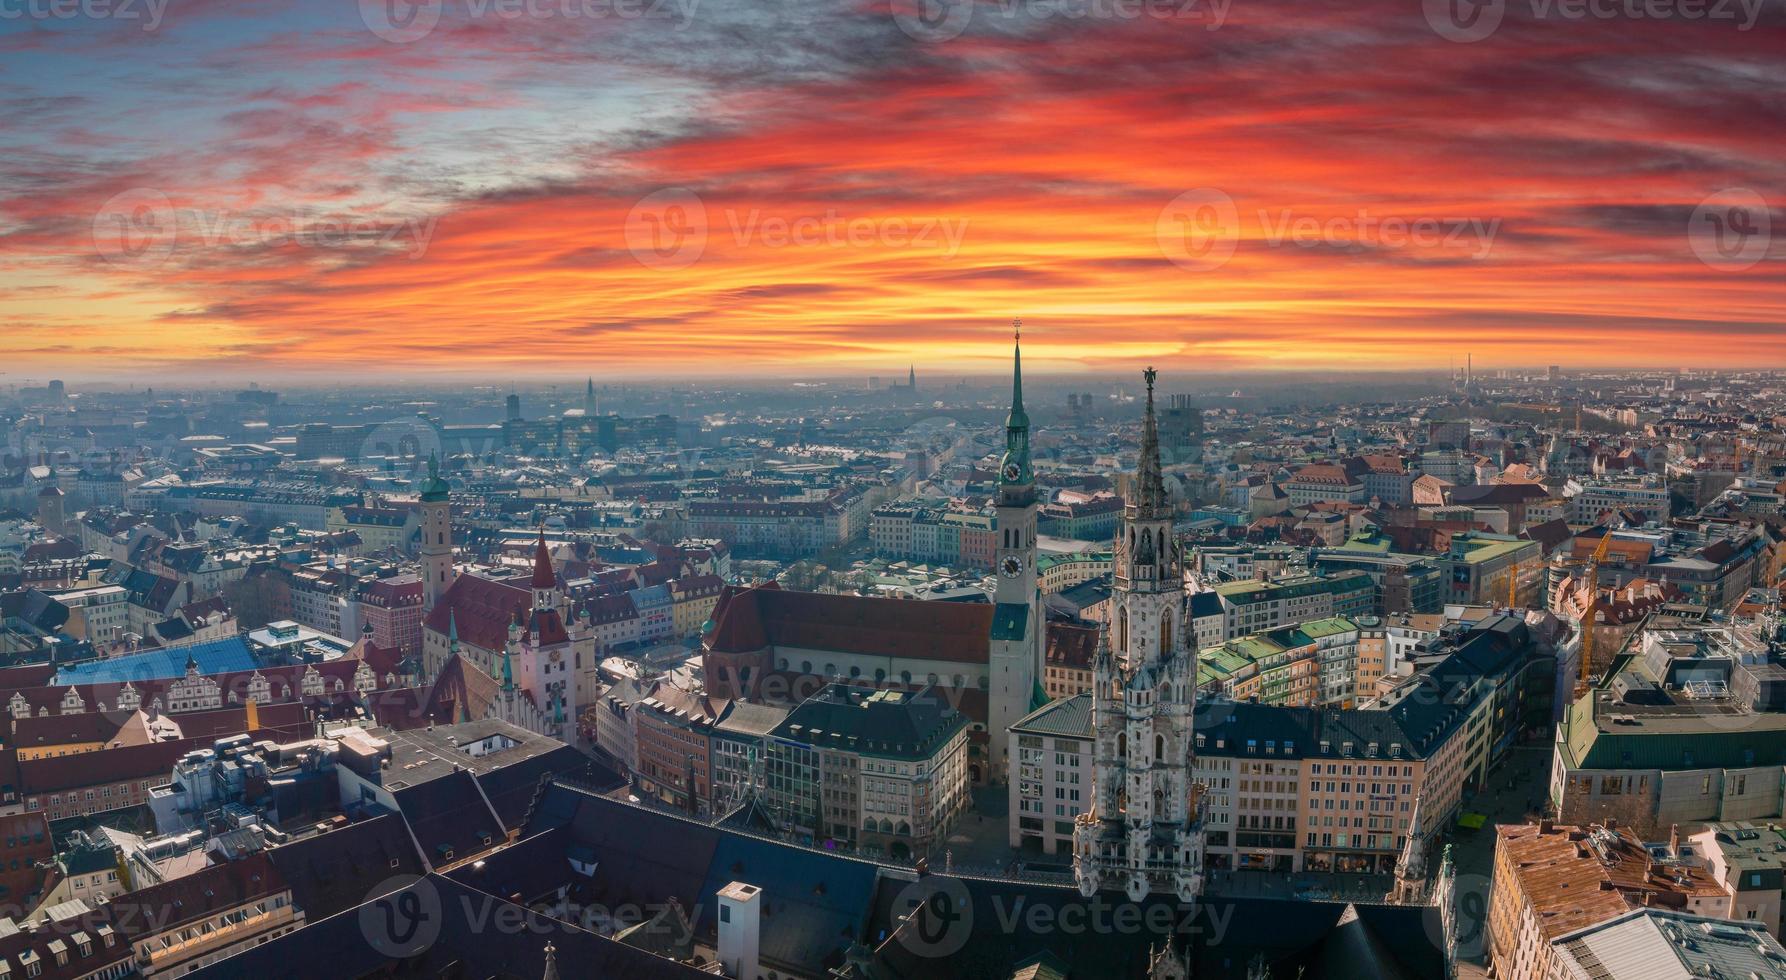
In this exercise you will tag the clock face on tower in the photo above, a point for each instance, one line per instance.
(1012, 566)
(1013, 472)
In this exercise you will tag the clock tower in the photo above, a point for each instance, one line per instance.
(1015, 663)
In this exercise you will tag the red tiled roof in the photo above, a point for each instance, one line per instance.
(480, 608)
(750, 619)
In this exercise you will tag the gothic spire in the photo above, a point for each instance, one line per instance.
(452, 633)
(1150, 486)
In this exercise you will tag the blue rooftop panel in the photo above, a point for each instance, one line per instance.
(215, 657)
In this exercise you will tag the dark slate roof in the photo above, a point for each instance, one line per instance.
(1115, 937)
(511, 788)
(449, 814)
(352, 944)
(1205, 604)
(335, 871)
(871, 721)
(815, 903)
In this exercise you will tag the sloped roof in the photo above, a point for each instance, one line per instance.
(747, 620)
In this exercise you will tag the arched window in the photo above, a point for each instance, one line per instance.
(1122, 628)
(1159, 746)
(1165, 633)
(1122, 745)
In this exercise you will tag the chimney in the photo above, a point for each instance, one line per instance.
(740, 929)
(1674, 839)
(1545, 826)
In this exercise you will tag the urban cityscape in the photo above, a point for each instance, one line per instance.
(982, 489)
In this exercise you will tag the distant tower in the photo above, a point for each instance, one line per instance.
(437, 537)
(58, 392)
(514, 408)
(1016, 648)
(589, 398)
(911, 378)
(1141, 833)
(50, 514)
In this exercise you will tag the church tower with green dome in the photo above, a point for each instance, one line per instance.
(1015, 661)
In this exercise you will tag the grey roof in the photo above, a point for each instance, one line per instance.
(1062, 716)
(1659, 944)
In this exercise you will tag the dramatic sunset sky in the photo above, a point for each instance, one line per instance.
(637, 188)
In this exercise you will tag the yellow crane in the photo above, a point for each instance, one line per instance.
(1592, 575)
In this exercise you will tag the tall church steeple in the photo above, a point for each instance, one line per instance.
(1016, 478)
(437, 536)
(1142, 833)
(1017, 626)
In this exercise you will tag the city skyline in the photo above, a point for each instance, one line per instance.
(716, 189)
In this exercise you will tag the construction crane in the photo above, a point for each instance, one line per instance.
(1587, 616)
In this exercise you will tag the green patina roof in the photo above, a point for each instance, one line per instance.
(1010, 621)
(1065, 716)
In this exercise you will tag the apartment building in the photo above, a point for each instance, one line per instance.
(1257, 605)
(877, 769)
(1050, 774)
(1652, 744)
